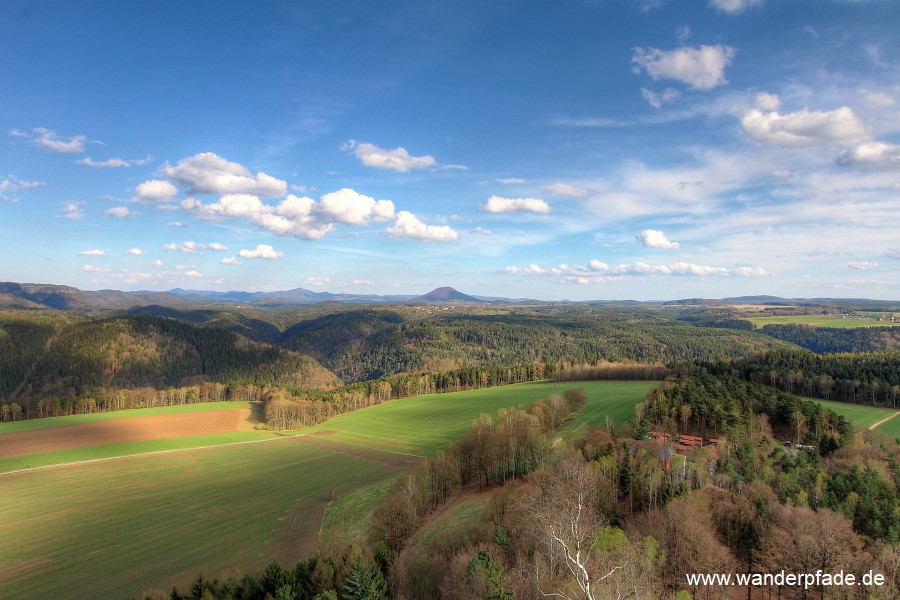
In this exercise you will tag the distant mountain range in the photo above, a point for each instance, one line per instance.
(63, 297)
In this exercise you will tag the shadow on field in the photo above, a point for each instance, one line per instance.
(257, 412)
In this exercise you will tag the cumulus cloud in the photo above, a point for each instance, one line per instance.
(397, 159)
(48, 140)
(875, 154)
(93, 269)
(499, 204)
(297, 216)
(352, 208)
(113, 162)
(231, 260)
(207, 173)
(408, 226)
(155, 190)
(653, 238)
(862, 265)
(262, 251)
(735, 7)
(482, 231)
(94, 252)
(597, 271)
(217, 246)
(318, 281)
(189, 247)
(701, 68)
(802, 128)
(135, 252)
(564, 189)
(120, 212)
(362, 282)
(511, 180)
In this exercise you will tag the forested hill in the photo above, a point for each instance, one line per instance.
(62, 355)
(371, 343)
(827, 339)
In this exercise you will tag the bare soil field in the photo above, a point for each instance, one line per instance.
(135, 429)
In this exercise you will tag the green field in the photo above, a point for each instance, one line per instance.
(142, 524)
(425, 424)
(831, 321)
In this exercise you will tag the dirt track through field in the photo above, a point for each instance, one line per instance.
(134, 429)
(883, 421)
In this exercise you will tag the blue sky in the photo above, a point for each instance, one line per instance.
(605, 149)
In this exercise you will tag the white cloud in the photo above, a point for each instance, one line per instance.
(499, 204)
(564, 189)
(597, 271)
(48, 140)
(177, 224)
(362, 282)
(193, 273)
(94, 252)
(298, 216)
(653, 238)
(208, 173)
(14, 184)
(876, 154)
(318, 281)
(767, 101)
(862, 265)
(155, 190)
(734, 7)
(683, 33)
(113, 162)
(157, 263)
(511, 180)
(217, 246)
(93, 269)
(655, 100)
(397, 159)
(782, 173)
(120, 212)
(701, 68)
(352, 208)
(135, 252)
(189, 247)
(72, 211)
(261, 251)
(231, 260)
(804, 127)
(408, 226)
(482, 231)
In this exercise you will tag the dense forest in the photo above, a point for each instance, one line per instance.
(827, 340)
(867, 378)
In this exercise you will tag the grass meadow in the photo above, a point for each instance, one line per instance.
(140, 524)
(831, 321)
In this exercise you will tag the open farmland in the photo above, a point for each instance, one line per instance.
(426, 424)
(831, 321)
(141, 524)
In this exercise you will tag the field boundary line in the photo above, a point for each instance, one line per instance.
(96, 460)
(883, 421)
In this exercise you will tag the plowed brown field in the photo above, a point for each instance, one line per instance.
(134, 429)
